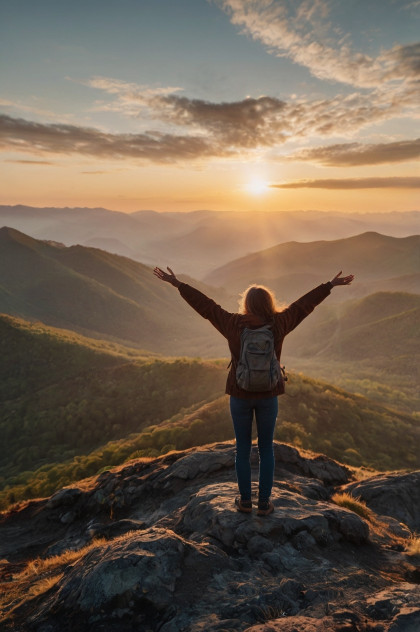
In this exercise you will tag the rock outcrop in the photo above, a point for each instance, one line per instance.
(158, 545)
(397, 497)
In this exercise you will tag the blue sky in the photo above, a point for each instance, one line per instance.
(242, 103)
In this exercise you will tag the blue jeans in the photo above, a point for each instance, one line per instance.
(242, 411)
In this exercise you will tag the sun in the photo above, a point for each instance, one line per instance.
(256, 186)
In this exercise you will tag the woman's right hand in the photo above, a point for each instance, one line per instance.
(164, 276)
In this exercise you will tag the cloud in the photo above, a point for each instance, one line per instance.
(131, 99)
(352, 183)
(33, 109)
(300, 30)
(355, 154)
(28, 136)
(94, 173)
(30, 162)
(249, 123)
(412, 4)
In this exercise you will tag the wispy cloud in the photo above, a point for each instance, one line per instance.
(411, 4)
(94, 173)
(136, 91)
(352, 183)
(30, 162)
(31, 108)
(131, 99)
(355, 154)
(301, 31)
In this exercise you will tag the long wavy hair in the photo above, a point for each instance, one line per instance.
(260, 301)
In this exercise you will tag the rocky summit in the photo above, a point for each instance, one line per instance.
(157, 545)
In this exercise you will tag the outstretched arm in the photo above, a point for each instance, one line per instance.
(297, 311)
(205, 306)
(164, 276)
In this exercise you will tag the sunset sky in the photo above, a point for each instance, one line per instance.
(221, 104)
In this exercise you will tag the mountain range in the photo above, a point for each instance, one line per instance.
(197, 242)
(377, 261)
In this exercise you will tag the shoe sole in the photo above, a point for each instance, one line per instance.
(265, 512)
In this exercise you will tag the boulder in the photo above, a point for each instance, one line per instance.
(209, 512)
(395, 495)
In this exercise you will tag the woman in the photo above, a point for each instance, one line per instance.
(258, 309)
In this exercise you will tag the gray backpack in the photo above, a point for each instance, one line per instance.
(258, 369)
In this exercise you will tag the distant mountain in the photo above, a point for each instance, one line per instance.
(196, 242)
(98, 294)
(292, 268)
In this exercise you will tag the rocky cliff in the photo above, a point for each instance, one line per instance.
(158, 545)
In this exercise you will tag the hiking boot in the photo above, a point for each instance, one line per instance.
(243, 505)
(265, 507)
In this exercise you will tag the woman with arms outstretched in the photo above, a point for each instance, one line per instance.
(258, 310)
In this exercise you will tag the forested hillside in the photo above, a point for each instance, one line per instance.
(72, 406)
(370, 346)
(99, 294)
(64, 395)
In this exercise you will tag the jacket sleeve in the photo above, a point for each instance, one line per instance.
(207, 308)
(290, 317)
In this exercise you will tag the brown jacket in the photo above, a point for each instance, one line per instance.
(230, 326)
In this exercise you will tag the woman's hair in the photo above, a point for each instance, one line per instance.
(258, 300)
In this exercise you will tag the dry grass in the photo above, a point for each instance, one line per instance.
(37, 577)
(270, 613)
(362, 473)
(354, 504)
(40, 565)
(412, 548)
(43, 585)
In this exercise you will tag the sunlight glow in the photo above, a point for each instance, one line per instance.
(256, 187)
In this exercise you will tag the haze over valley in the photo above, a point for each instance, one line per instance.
(197, 242)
